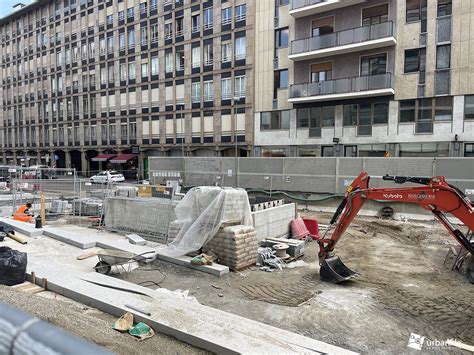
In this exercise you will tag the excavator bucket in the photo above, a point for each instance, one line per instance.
(334, 271)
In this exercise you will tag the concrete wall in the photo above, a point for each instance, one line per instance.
(148, 217)
(274, 222)
(312, 175)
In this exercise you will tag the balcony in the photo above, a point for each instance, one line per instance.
(302, 8)
(340, 89)
(343, 42)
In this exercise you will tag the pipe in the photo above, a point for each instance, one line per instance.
(23, 334)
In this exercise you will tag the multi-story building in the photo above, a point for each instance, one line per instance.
(365, 78)
(85, 82)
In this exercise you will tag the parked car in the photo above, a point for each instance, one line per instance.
(39, 172)
(109, 176)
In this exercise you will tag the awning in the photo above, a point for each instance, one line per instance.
(123, 158)
(103, 157)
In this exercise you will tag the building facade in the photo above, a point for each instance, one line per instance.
(85, 82)
(366, 78)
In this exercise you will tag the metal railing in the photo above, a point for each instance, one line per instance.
(342, 86)
(342, 38)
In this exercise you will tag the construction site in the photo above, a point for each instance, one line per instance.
(240, 255)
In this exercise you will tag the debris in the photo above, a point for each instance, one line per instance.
(124, 323)
(136, 239)
(267, 257)
(201, 259)
(141, 331)
(295, 264)
(12, 266)
(220, 294)
(217, 287)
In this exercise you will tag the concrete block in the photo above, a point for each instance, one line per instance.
(136, 239)
(82, 241)
(27, 229)
(214, 269)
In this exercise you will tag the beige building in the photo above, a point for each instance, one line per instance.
(365, 78)
(92, 84)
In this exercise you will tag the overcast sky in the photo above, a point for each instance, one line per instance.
(6, 6)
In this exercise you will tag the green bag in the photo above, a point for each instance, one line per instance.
(141, 331)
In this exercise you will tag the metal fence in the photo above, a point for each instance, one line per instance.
(310, 175)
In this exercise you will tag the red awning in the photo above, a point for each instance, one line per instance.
(103, 157)
(123, 158)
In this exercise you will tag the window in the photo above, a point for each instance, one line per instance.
(133, 130)
(122, 41)
(208, 91)
(142, 8)
(226, 52)
(226, 16)
(208, 54)
(240, 12)
(240, 86)
(111, 74)
(469, 107)
(196, 92)
(179, 25)
(375, 15)
(143, 36)
(281, 79)
(112, 132)
(424, 149)
(469, 150)
(321, 72)
(416, 10)
(365, 115)
(123, 72)
(179, 60)
(130, 12)
(281, 38)
(415, 60)
(240, 48)
(275, 120)
(131, 71)
(443, 56)
(373, 65)
(226, 88)
(110, 44)
(168, 30)
(121, 15)
(208, 18)
(445, 8)
(196, 57)
(407, 111)
(196, 23)
(169, 62)
(110, 19)
(444, 108)
(154, 66)
(144, 70)
(315, 118)
(154, 34)
(131, 39)
(123, 132)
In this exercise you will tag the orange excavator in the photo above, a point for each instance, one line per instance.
(434, 195)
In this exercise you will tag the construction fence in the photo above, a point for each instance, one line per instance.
(325, 175)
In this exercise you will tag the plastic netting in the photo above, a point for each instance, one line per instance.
(202, 212)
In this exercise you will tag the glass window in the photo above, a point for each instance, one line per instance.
(226, 16)
(281, 38)
(350, 115)
(208, 18)
(196, 57)
(196, 22)
(240, 48)
(444, 108)
(444, 8)
(275, 120)
(374, 15)
(414, 9)
(131, 70)
(240, 12)
(154, 66)
(208, 54)
(144, 70)
(414, 60)
(469, 107)
(302, 118)
(407, 111)
(281, 79)
(208, 91)
(443, 56)
(226, 52)
(179, 25)
(169, 62)
(469, 150)
(373, 65)
(381, 113)
(131, 39)
(327, 151)
(226, 88)
(240, 88)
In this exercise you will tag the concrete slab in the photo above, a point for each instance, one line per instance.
(24, 228)
(136, 239)
(198, 325)
(214, 269)
(82, 241)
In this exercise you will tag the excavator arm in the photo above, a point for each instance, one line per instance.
(434, 195)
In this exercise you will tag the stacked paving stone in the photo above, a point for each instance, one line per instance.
(235, 246)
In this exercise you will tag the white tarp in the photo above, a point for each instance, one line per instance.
(201, 213)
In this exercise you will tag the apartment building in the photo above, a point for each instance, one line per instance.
(366, 78)
(93, 83)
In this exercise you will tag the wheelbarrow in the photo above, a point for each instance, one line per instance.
(120, 259)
